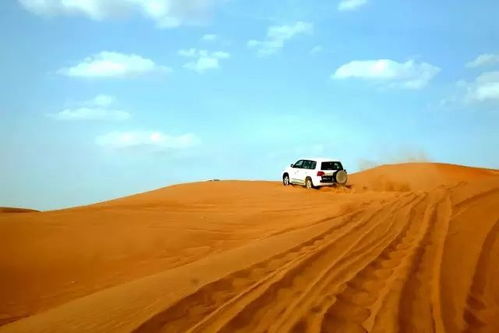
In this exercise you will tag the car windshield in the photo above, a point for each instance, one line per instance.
(331, 166)
(298, 164)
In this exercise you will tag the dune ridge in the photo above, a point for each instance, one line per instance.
(16, 210)
(408, 248)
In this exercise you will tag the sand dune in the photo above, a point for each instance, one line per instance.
(16, 210)
(407, 248)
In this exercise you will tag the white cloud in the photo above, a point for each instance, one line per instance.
(88, 113)
(103, 100)
(154, 140)
(209, 38)
(408, 75)
(113, 65)
(482, 92)
(221, 55)
(285, 32)
(203, 60)
(99, 108)
(346, 5)
(316, 49)
(277, 36)
(165, 13)
(192, 52)
(486, 59)
(484, 89)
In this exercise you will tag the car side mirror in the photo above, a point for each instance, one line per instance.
(292, 165)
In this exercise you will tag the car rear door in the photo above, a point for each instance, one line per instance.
(329, 168)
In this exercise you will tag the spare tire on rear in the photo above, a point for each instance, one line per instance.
(340, 177)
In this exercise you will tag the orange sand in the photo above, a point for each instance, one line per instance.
(15, 210)
(407, 248)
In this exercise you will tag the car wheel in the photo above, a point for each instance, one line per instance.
(341, 177)
(285, 180)
(308, 183)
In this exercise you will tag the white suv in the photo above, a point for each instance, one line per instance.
(315, 172)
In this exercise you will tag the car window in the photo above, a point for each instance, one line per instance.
(331, 166)
(309, 164)
(298, 164)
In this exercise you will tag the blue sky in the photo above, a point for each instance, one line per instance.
(103, 98)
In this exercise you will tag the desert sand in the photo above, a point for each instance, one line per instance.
(16, 210)
(407, 248)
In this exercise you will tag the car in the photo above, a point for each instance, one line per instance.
(315, 172)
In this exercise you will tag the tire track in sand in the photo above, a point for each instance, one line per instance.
(353, 308)
(193, 308)
(419, 295)
(479, 314)
(253, 312)
(307, 313)
(345, 279)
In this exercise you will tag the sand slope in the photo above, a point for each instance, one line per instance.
(5, 210)
(408, 248)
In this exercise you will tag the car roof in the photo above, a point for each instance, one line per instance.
(321, 159)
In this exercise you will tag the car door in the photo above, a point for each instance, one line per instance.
(305, 170)
(296, 172)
